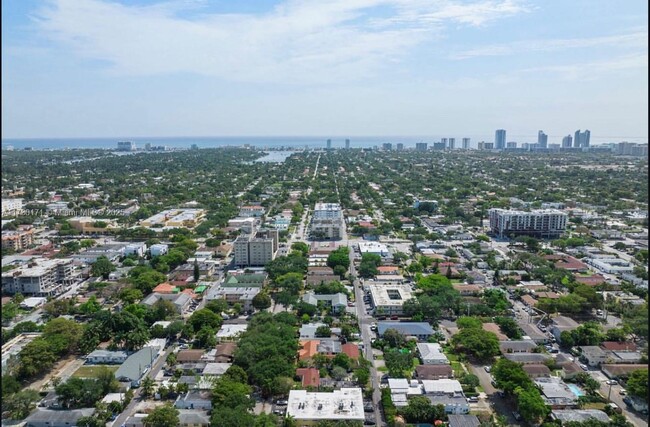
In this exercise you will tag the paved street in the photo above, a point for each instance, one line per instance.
(364, 325)
(130, 410)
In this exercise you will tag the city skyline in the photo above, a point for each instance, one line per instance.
(98, 68)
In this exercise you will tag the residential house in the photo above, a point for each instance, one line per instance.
(181, 300)
(310, 377)
(580, 415)
(433, 372)
(463, 420)
(225, 352)
(190, 356)
(190, 418)
(106, 357)
(518, 346)
(528, 358)
(136, 365)
(537, 371)
(496, 330)
(431, 354)
(421, 330)
(556, 393)
(561, 324)
(338, 302)
(56, 418)
(231, 332)
(194, 399)
(448, 393)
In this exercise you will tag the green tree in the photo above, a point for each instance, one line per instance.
(20, 404)
(420, 410)
(466, 322)
(531, 405)
(637, 384)
(262, 301)
(510, 375)
(162, 416)
(205, 317)
(102, 267)
(147, 387)
(340, 256)
(477, 343)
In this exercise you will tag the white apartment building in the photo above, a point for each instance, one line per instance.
(309, 408)
(255, 250)
(388, 298)
(40, 277)
(11, 206)
(540, 223)
(158, 249)
(327, 221)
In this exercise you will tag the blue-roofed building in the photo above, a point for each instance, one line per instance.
(421, 330)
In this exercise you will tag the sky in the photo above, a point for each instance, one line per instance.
(105, 68)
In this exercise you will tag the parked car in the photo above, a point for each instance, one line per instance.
(622, 392)
(611, 382)
(487, 369)
(473, 399)
(281, 402)
(584, 367)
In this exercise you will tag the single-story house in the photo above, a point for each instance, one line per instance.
(189, 356)
(421, 330)
(527, 358)
(579, 415)
(106, 357)
(310, 377)
(433, 372)
(431, 354)
(136, 365)
(457, 420)
(56, 418)
(537, 371)
(518, 346)
(225, 352)
(194, 399)
(190, 418)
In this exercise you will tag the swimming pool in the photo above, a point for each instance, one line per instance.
(576, 390)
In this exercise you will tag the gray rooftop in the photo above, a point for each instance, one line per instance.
(580, 415)
(136, 364)
(463, 421)
(57, 417)
(406, 328)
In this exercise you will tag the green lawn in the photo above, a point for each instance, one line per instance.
(91, 371)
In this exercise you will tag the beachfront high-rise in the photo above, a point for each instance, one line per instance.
(466, 143)
(452, 143)
(500, 139)
(567, 141)
(329, 144)
(347, 144)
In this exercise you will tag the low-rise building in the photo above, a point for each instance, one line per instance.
(374, 248)
(579, 415)
(389, 299)
(56, 418)
(338, 302)
(517, 346)
(431, 354)
(234, 295)
(310, 408)
(231, 332)
(561, 324)
(106, 357)
(136, 365)
(433, 372)
(421, 330)
(158, 249)
(448, 393)
(181, 300)
(556, 393)
(194, 399)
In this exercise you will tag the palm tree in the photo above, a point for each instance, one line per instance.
(147, 387)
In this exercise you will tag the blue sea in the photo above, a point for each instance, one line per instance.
(275, 142)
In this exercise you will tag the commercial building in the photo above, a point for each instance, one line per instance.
(18, 239)
(310, 408)
(40, 277)
(89, 225)
(106, 357)
(387, 146)
(466, 143)
(388, 299)
(499, 139)
(347, 144)
(327, 221)
(632, 149)
(400, 146)
(256, 249)
(567, 141)
(541, 223)
(374, 248)
(420, 146)
(126, 146)
(175, 218)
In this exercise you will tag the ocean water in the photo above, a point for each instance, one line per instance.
(276, 142)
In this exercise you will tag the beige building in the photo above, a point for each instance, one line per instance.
(188, 218)
(89, 225)
(18, 239)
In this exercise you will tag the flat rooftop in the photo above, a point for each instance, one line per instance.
(343, 404)
(393, 294)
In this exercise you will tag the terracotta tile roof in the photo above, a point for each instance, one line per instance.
(551, 295)
(308, 349)
(164, 288)
(593, 280)
(387, 269)
(310, 376)
(351, 349)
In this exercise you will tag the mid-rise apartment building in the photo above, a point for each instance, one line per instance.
(540, 223)
(40, 277)
(17, 239)
(327, 221)
(256, 249)
(11, 206)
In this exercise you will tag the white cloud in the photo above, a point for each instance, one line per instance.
(297, 42)
(633, 40)
(592, 70)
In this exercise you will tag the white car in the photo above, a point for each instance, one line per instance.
(611, 382)
(584, 367)
(487, 369)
